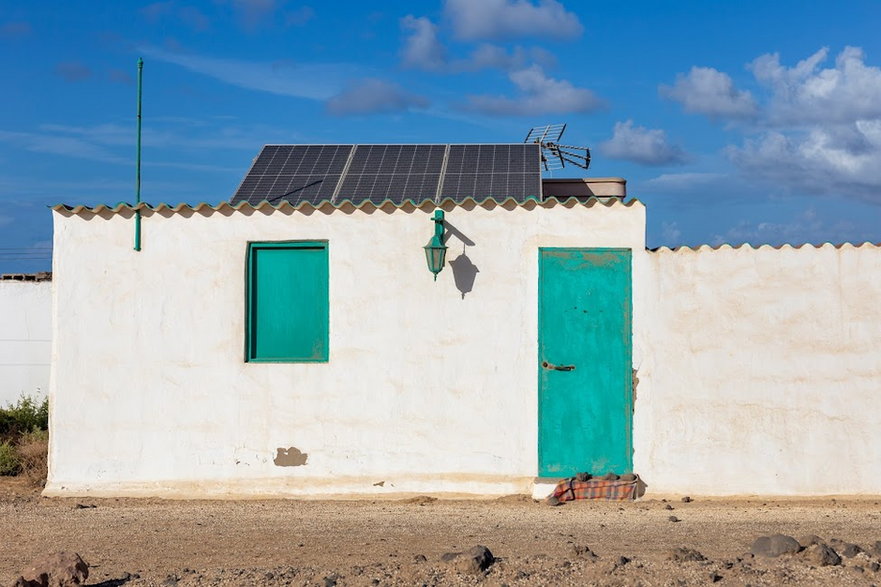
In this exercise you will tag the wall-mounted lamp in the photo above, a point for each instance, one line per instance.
(435, 250)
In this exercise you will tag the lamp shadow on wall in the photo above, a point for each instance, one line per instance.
(464, 270)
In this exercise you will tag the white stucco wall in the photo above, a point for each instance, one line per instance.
(425, 391)
(761, 371)
(25, 335)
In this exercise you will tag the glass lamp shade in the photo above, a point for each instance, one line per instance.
(435, 255)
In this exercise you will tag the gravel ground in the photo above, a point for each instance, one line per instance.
(285, 542)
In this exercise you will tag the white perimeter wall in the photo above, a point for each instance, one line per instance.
(25, 339)
(425, 390)
(761, 371)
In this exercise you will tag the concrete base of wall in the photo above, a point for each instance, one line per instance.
(448, 487)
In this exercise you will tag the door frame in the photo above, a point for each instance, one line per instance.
(628, 389)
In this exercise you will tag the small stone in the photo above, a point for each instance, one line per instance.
(583, 552)
(60, 569)
(621, 561)
(269, 576)
(681, 554)
(821, 555)
(715, 577)
(874, 567)
(674, 519)
(775, 545)
(554, 501)
(668, 507)
(331, 580)
(419, 558)
(876, 548)
(687, 499)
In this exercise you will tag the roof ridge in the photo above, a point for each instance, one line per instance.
(338, 205)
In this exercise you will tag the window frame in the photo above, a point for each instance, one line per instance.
(249, 298)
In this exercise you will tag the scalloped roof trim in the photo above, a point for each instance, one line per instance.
(365, 204)
(749, 247)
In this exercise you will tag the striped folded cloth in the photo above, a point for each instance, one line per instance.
(615, 490)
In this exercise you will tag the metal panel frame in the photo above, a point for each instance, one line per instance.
(250, 302)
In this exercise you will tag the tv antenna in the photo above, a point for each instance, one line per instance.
(553, 154)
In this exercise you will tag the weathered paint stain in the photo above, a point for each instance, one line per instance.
(290, 457)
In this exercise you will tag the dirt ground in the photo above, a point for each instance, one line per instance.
(284, 542)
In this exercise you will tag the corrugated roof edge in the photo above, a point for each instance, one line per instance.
(748, 246)
(343, 204)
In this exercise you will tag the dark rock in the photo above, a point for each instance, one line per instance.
(419, 558)
(85, 506)
(583, 552)
(554, 501)
(475, 560)
(821, 555)
(775, 545)
(674, 519)
(621, 561)
(876, 548)
(687, 499)
(60, 569)
(331, 580)
(810, 540)
(874, 567)
(681, 555)
(668, 507)
(715, 577)
(582, 477)
(843, 548)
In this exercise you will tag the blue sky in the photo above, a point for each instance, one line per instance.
(734, 122)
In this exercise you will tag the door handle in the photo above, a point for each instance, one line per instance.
(547, 365)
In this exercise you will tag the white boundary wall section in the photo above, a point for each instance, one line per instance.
(761, 372)
(425, 391)
(25, 339)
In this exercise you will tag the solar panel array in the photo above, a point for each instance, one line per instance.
(315, 173)
(492, 170)
(393, 172)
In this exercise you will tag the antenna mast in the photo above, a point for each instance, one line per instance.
(553, 154)
(137, 246)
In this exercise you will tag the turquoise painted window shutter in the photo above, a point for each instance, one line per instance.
(287, 297)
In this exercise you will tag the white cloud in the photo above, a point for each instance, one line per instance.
(422, 49)
(834, 159)
(807, 227)
(671, 236)
(314, 81)
(705, 90)
(373, 96)
(677, 182)
(501, 19)
(806, 94)
(642, 145)
(539, 94)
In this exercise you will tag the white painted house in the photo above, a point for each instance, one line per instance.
(25, 336)
(206, 364)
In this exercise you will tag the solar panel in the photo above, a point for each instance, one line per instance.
(314, 173)
(497, 171)
(393, 172)
(294, 173)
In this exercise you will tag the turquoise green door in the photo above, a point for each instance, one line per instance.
(287, 302)
(584, 362)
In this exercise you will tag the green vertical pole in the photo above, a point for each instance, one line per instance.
(138, 163)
